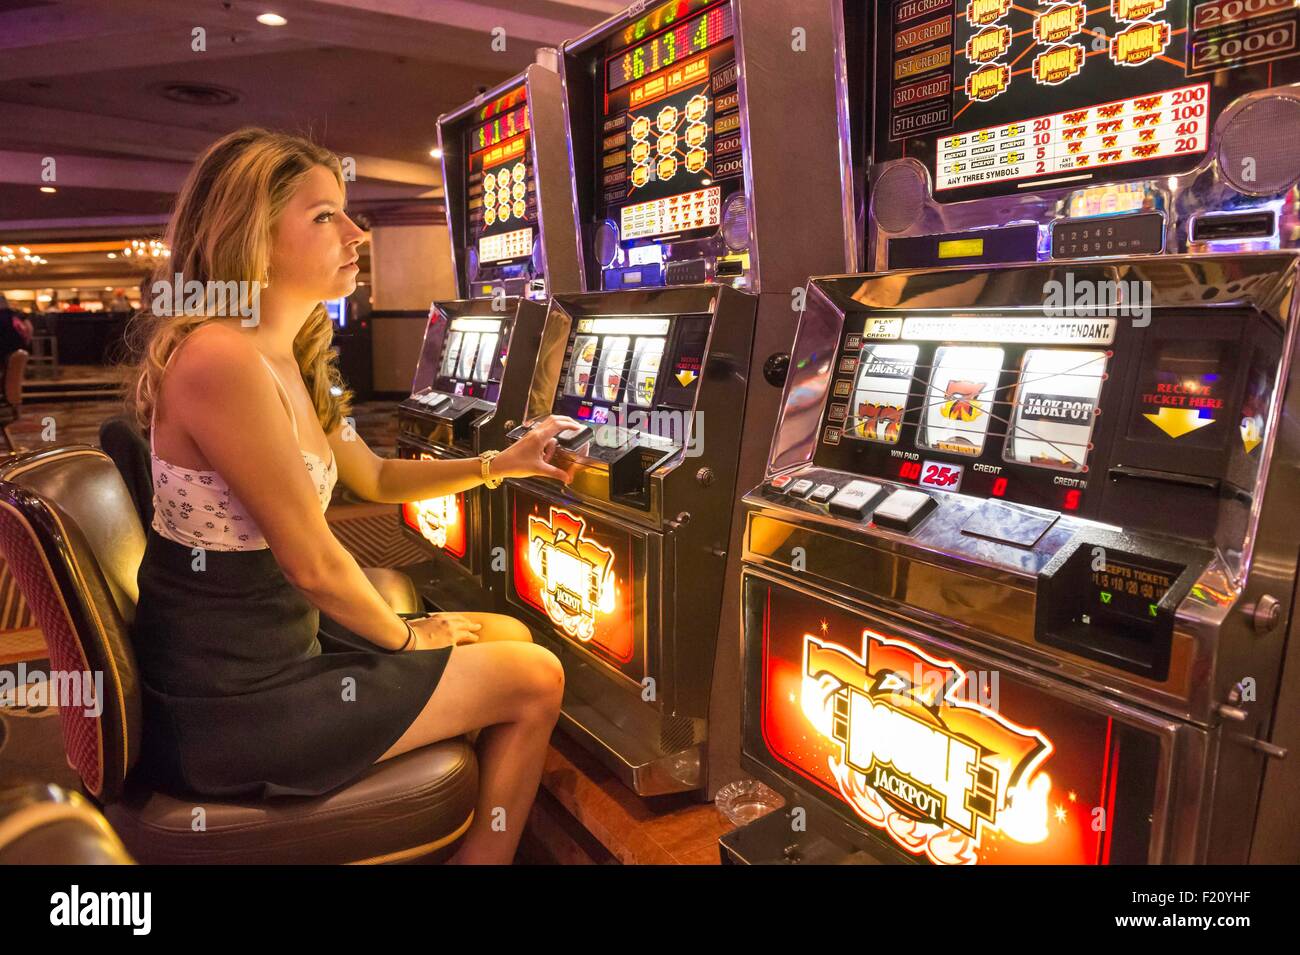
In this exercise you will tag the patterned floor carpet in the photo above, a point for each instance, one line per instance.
(31, 744)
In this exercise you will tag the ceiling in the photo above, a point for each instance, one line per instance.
(124, 94)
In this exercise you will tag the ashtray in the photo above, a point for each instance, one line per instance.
(745, 800)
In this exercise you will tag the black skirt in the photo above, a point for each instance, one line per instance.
(245, 696)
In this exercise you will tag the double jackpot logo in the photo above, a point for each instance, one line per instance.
(918, 758)
(577, 574)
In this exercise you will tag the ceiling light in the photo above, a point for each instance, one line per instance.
(435, 152)
(271, 20)
(48, 189)
(112, 255)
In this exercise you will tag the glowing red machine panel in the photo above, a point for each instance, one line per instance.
(582, 575)
(943, 760)
(442, 521)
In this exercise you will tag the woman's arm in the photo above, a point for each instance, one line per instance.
(218, 394)
(394, 481)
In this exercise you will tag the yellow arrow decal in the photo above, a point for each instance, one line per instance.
(685, 377)
(1177, 422)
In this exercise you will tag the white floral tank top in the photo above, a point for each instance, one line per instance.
(197, 509)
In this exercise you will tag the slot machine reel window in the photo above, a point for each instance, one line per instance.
(670, 152)
(1055, 408)
(885, 376)
(959, 401)
(501, 190)
(992, 406)
(468, 351)
(646, 358)
(471, 352)
(609, 380)
(454, 339)
(599, 368)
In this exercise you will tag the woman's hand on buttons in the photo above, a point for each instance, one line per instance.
(531, 455)
(444, 630)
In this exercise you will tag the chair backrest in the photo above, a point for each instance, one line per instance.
(123, 442)
(15, 370)
(70, 534)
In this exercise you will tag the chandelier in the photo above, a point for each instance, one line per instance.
(20, 261)
(148, 252)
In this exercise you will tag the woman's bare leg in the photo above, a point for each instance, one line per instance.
(499, 626)
(512, 690)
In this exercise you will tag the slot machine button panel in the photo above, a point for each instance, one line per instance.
(855, 498)
(903, 510)
(800, 488)
(574, 438)
(822, 493)
(780, 481)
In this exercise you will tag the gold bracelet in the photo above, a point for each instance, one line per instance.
(486, 460)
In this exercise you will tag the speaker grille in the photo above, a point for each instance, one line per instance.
(897, 198)
(676, 733)
(1257, 151)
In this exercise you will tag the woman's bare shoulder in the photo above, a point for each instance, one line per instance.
(216, 357)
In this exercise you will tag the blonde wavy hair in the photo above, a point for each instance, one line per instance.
(220, 231)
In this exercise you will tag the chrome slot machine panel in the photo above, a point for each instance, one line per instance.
(498, 154)
(465, 390)
(1046, 530)
(1006, 133)
(621, 571)
(705, 148)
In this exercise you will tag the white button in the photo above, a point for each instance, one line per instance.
(855, 497)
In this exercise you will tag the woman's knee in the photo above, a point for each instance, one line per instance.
(511, 628)
(544, 679)
(499, 626)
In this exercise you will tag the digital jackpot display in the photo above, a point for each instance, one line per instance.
(944, 759)
(669, 146)
(502, 191)
(997, 97)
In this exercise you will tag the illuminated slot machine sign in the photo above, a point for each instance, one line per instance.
(997, 98)
(473, 356)
(669, 149)
(441, 521)
(943, 757)
(501, 189)
(583, 575)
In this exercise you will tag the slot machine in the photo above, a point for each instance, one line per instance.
(690, 124)
(1018, 579)
(512, 244)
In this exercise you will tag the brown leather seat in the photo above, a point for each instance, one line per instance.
(74, 543)
(47, 825)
